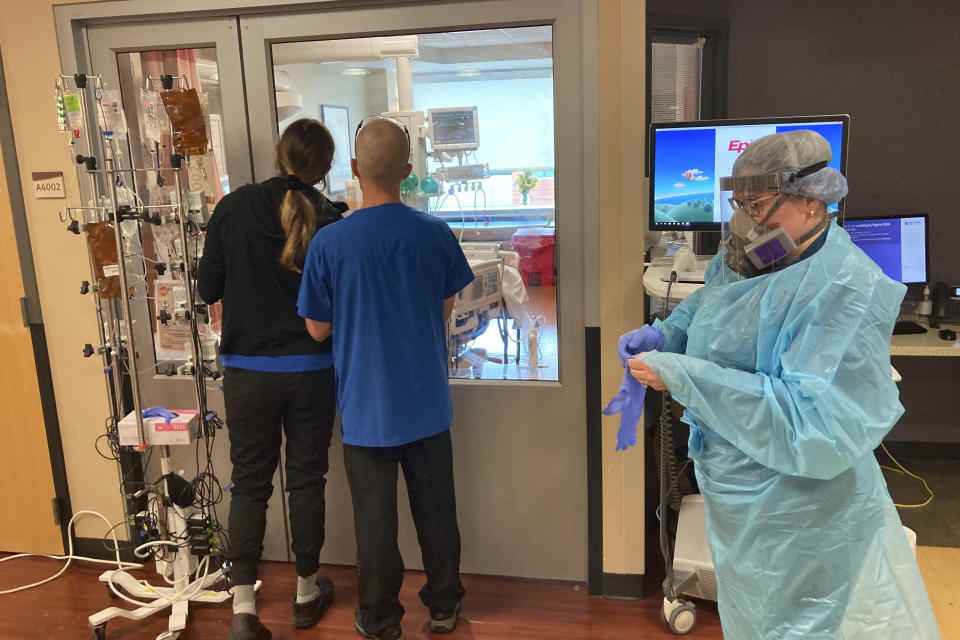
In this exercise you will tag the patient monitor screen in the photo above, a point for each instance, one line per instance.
(454, 128)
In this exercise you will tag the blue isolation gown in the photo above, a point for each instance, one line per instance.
(786, 382)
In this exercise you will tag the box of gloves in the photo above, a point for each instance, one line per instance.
(161, 427)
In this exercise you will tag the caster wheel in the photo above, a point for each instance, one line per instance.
(99, 632)
(110, 592)
(663, 616)
(682, 619)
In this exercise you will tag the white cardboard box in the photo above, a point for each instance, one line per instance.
(157, 431)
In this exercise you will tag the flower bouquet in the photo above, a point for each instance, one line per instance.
(525, 182)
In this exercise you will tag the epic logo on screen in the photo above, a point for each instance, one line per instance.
(738, 145)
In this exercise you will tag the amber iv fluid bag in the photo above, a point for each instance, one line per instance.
(186, 117)
(103, 249)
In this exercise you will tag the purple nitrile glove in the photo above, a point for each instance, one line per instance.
(646, 338)
(629, 404)
(159, 412)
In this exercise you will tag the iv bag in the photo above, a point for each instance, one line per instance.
(103, 249)
(154, 121)
(186, 118)
(72, 111)
(110, 112)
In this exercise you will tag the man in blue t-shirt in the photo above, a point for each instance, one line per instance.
(384, 280)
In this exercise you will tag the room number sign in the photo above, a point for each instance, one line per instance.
(48, 184)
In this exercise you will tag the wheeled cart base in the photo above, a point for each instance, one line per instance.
(679, 614)
(177, 599)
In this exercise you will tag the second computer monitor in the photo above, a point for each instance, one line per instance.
(898, 244)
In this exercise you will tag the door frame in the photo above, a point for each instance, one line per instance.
(104, 42)
(574, 148)
(579, 265)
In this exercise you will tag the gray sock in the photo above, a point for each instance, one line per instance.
(307, 588)
(244, 599)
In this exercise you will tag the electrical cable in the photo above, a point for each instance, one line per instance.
(70, 557)
(159, 363)
(666, 301)
(500, 321)
(486, 218)
(667, 469)
(901, 469)
(669, 475)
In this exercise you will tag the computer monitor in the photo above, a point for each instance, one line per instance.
(454, 128)
(687, 160)
(898, 244)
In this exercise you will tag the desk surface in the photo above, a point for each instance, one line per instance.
(925, 344)
(654, 284)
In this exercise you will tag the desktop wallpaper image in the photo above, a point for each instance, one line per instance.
(685, 177)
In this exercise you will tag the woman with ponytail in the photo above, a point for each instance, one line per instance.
(277, 379)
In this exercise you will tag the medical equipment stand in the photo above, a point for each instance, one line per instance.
(182, 567)
(679, 614)
(182, 589)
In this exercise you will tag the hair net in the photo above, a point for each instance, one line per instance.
(778, 161)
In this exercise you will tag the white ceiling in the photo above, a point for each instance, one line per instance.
(486, 37)
(502, 50)
(518, 52)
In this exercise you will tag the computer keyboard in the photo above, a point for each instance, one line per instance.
(903, 327)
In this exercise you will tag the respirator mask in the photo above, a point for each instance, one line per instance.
(752, 247)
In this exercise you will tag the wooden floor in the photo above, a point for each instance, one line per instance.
(494, 609)
(940, 567)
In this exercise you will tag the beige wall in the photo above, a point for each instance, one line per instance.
(31, 63)
(23, 453)
(622, 51)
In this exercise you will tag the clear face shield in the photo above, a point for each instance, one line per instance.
(753, 247)
(750, 246)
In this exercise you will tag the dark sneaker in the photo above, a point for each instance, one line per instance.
(390, 633)
(307, 614)
(444, 621)
(244, 626)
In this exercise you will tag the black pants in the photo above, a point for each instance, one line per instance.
(428, 469)
(259, 405)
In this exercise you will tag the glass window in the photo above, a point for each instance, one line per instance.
(675, 79)
(480, 109)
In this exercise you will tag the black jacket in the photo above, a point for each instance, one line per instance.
(241, 266)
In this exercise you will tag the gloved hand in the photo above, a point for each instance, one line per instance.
(629, 404)
(646, 338)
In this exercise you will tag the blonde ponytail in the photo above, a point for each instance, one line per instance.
(299, 222)
(304, 155)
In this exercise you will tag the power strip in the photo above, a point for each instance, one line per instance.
(463, 172)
